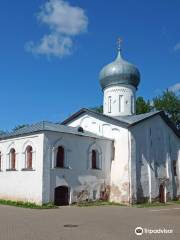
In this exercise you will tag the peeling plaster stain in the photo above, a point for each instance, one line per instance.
(115, 190)
(82, 194)
(105, 192)
(102, 193)
(120, 193)
(125, 187)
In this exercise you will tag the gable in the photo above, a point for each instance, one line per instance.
(89, 113)
(122, 121)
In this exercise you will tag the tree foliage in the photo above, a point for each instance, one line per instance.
(19, 127)
(98, 109)
(2, 132)
(169, 102)
(142, 106)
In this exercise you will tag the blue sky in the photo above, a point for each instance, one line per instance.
(50, 62)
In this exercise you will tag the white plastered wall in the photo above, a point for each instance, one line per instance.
(82, 181)
(154, 147)
(120, 175)
(19, 184)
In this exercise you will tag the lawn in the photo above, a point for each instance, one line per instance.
(26, 204)
(139, 205)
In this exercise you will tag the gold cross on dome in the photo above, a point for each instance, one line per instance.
(119, 41)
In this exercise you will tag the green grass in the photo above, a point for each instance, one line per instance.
(97, 203)
(156, 204)
(85, 204)
(149, 205)
(176, 201)
(26, 204)
(139, 205)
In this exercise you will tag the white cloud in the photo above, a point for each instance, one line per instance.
(64, 21)
(177, 47)
(175, 88)
(51, 44)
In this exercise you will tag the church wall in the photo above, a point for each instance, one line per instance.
(83, 182)
(120, 175)
(154, 147)
(21, 184)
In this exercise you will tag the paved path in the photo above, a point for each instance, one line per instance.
(97, 223)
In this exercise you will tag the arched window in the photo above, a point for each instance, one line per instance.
(94, 159)
(12, 159)
(29, 157)
(0, 161)
(60, 157)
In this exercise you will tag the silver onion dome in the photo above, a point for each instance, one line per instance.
(119, 72)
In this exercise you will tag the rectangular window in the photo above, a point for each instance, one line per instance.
(109, 104)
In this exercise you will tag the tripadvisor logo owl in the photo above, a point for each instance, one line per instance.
(139, 231)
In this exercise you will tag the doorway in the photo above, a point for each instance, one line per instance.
(161, 194)
(61, 196)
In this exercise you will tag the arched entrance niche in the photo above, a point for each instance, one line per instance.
(61, 196)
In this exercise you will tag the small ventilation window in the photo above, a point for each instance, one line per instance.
(80, 129)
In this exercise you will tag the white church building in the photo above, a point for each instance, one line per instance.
(117, 156)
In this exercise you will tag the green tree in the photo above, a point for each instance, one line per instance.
(98, 109)
(19, 127)
(169, 102)
(142, 106)
(2, 132)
